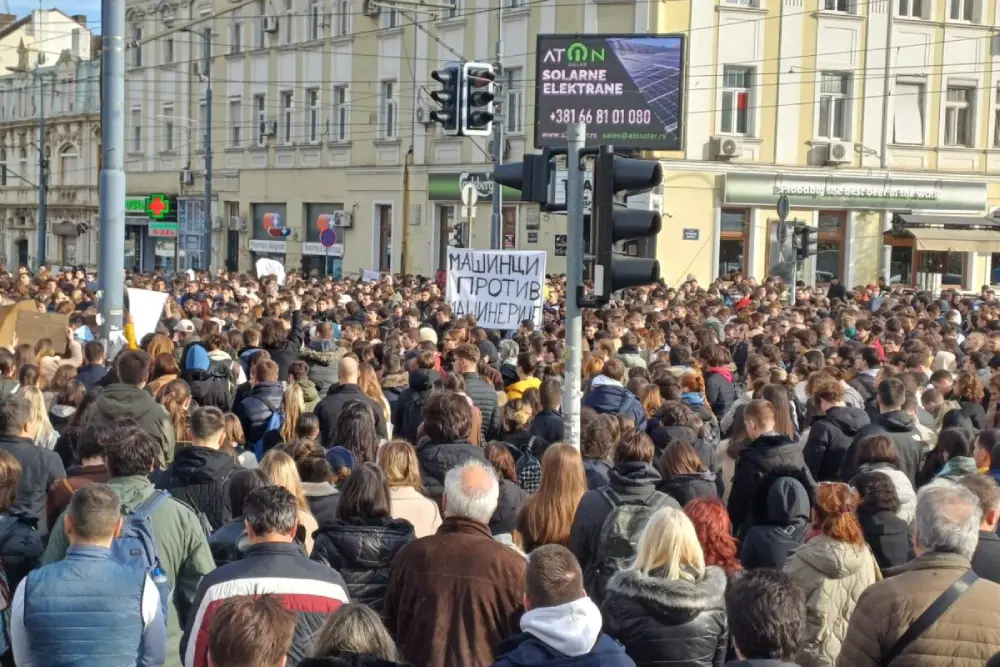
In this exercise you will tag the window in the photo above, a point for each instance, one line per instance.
(315, 19)
(736, 84)
(913, 8)
(136, 130)
(340, 113)
(288, 30)
(206, 45)
(387, 110)
(168, 51)
(732, 241)
(136, 46)
(235, 123)
(312, 114)
(388, 18)
(996, 121)
(513, 4)
(836, 5)
(261, 15)
(168, 127)
(343, 17)
(68, 169)
(75, 41)
(745, 3)
(958, 122)
(202, 125)
(286, 117)
(908, 121)
(962, 10)
(236, 35)
(452, 11)
(260, 111)
(833, 110)
(514, 104)
(829, 257)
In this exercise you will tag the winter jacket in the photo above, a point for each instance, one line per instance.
(685, 488)
(597, 472)
(409, 412)
(986, 559)
(328, 411)
(770, 453)
(254, 411)
(614, 399)
(392, 388)
(904, 488)
(407, 503)
(323, 499)
(830, 437)
(966, 635)
(719, 390)
(517, 389)
(21, 547)
(288, 351)
(833, 575)
(635, 482)
(199, 477)
(362, 551)
(504, 519)
(180, 544)
(437, 458)
(484, 397)
(118, 401)
(209, 390)
(547, 425)
(668, 621)
(901, 427)
(769, 542)
(311, 589)
(454, 596)
(887, 535)
(229, 542)
(323, 358)
(975, 413)
(631, 357)
(62, 491)
(90, 374)
(40, 469)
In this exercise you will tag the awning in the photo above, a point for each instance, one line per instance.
(956, 240)
(910, 221)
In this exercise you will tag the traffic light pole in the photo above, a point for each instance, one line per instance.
(576, 134)
(496, 220)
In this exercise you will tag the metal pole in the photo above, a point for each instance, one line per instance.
(496, 221)
(207, 35)
(884, 144)
(42, 176)
(576, 134)
(795, 279)
(112, 177)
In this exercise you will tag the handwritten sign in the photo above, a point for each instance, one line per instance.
(500, 287)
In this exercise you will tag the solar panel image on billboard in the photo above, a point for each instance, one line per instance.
(628, 89)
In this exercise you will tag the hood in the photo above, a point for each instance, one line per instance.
(423, 379)
(676, 597)
(309, 392)
(571, 628)
(247, 352)
(787, 503)
(668, 434)
(123, 400)
(633, 474)
(326, 345)
(898, 421)
(848, 420)
(832, 558)
(62, 411)
(331, 358)
(852, 397)
(605, 381)
(199, 465)
(318, 489)
(724, 372)
(958, 466)
(395, 381)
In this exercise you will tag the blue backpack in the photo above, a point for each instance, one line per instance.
(274, 423)
(135, 546)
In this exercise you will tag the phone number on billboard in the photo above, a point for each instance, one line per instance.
(602, 116)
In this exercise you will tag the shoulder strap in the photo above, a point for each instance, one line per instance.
(270, 406)
(69, 487)
(146, 507)
(931, 615)
(611, 496)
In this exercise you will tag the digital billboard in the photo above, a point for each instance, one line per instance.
(628, 89)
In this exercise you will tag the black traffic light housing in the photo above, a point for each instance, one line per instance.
(477, 83)
(448, 96)
(805, 242)
(613, 222)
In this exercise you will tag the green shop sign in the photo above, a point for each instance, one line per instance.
(448, 187)
(855, 192)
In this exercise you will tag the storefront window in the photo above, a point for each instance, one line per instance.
(448, 234)
(732, 241)
(830, 256)
(995, 268)
(901, 265)
(951, 265)
(316, 258)
(269, 232)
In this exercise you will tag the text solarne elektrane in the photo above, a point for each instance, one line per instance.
(500, 287)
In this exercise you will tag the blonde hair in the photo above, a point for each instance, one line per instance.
(39, 414)
(398, 460)
(355, 628)
(293, 404)
(281, 469)
(669, 544)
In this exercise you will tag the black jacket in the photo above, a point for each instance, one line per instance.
(209, 390)
(597, 472)
(323, 499)
(781, 529)
(829, 439)
(392, 388)
(864, 384)
(685, 488)
(484, 397)
(889, 538)
(199, 477)
(975, 413)
(328, 411)
(409, 412)
(362, 551)
(229, 543)
(763, 456)
(39, 469)
(91, 374)
(288, 351)
(720, 393)
(21, 547)
(254, 412)
(437, 458)
(323, 358)
(504, 519)
(986, 559)
(635, 482)
(902, 428)
(668, 622)
(547, 425)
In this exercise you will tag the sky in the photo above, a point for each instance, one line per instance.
(92, 8)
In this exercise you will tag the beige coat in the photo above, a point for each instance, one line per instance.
(833, 575)
(422, 512)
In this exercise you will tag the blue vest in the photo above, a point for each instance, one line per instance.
(83, 611)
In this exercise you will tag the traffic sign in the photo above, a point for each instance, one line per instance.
(470, 196)
(328, 237)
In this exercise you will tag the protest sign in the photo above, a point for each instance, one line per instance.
(271, 267)
(32, 326)
(370, 276)
(145, 306)
(500, 287)
(8, 319)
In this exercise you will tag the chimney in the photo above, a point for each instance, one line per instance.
(6, 20)
(80, 18)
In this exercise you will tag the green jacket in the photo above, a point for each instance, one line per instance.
(119, 400)
(180, 543)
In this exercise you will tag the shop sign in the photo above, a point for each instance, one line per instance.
(135, 204)
(448, 187)
(691, 234)
(261, 245)
(163, 230)
(855, 192)
(313, 248)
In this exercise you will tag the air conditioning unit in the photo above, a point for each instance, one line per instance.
(727, 148)
(196, 68)
(839, 152)
(270, 128)
(217, 223)
(270, 24)
(343, 219)
(187, 177)
(370, 8)
(237, 224)
(424, 115)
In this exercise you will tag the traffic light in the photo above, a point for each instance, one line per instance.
(614, 222)
(531, 177)
(477, 84)
(448, 97)
(805, 242)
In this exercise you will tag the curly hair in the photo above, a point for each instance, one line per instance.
(878, 493)
(711, 523)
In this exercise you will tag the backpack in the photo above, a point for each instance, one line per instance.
(274, 423)
(529, 468)
(618, 539)
(135, 546)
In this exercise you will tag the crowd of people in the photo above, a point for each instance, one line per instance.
(331, 473)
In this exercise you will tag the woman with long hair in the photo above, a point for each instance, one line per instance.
(368, 381)
(293, 406)
(548, 514)
(21, 548)
(969, 392)
(163, 371)
(28, 376)
(951, 457)
(281, 469)
(685, 476)
(65, 404)
(159, 344)
(777, 396)
(398, 460)
(356, 431)
(59, 380)
(353, 636)
(887, 535)
(175, 397)
(878, 453)
(361, 543)
(668, 606)
(833, 568)
(711, 523)
(512, 496)
(45, 435)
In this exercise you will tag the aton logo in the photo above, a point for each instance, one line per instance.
(577, 53)
(274, 226)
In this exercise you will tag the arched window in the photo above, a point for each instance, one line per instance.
(69, 169)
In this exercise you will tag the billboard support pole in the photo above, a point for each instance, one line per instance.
(496, 220)
(576, 134)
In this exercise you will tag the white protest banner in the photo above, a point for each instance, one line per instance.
(500, 287)
(145, 306)
(271, 267)
(370, 276)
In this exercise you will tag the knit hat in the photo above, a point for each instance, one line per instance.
(428, 334)
(197, 359)
(340, 458)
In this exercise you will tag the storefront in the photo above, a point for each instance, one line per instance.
(318, 259)
(270, 232)
(151, 232)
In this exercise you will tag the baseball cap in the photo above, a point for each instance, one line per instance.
(184, 326)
